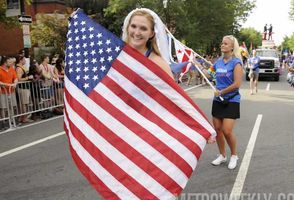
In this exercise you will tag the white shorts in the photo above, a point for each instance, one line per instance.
(7, 98)
(24, 96)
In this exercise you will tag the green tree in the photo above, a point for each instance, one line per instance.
(291, 12)
(288, 42)
(207, 21)
(250, 35)
(9, 21)
(93, 8)
(89, 6)
(200, 23)
(50, 30)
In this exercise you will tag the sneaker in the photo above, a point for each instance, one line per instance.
(219, 160)
(233, 162)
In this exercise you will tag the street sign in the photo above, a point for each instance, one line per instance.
(26, 29)
(26, 35)
(27, 41)
(25, 19)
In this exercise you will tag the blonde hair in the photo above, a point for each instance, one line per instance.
(152, 41)
(236, 48)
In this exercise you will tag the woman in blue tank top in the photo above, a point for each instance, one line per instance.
(228, 73)
(254, 63)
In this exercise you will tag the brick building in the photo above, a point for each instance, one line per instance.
(12, 39)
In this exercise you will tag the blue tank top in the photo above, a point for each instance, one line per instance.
(224, 73)
(254, 61)
(148, 52)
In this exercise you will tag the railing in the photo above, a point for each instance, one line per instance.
(29, 98)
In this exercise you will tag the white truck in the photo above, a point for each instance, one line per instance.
(269, 64)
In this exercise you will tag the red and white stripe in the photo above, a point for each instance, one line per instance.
(137, 135)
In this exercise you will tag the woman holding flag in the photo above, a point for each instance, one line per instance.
(133, 132)
(144, 31)
(226, 102)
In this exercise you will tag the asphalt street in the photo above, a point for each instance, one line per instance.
(45, 170)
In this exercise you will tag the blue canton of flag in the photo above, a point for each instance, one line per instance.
(90, 50)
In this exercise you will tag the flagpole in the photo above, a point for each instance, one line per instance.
(188, 47)
(204, 76)
(194, 63)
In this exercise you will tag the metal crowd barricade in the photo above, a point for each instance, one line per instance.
(32, 97)
(7, 96)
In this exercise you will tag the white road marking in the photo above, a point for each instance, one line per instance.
(31, 124)
(30, 144)
(239, 182)
(268, 87)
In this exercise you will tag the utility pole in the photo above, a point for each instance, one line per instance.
(22, 7)
(25, 28)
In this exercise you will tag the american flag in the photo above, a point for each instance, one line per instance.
(133, 132)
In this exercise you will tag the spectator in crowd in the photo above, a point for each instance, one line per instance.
(244, 55)
(199, 77)
(59, 70)
(48, 77)
(290, 75)
(23, 87)
(54, 59)
(47, 70)
(35, 86)
(290, 67)
(8, 75)
(26, 56)
(8, 82)
(290, 59)
(13, 59)
(21, 52)
(192, 74)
